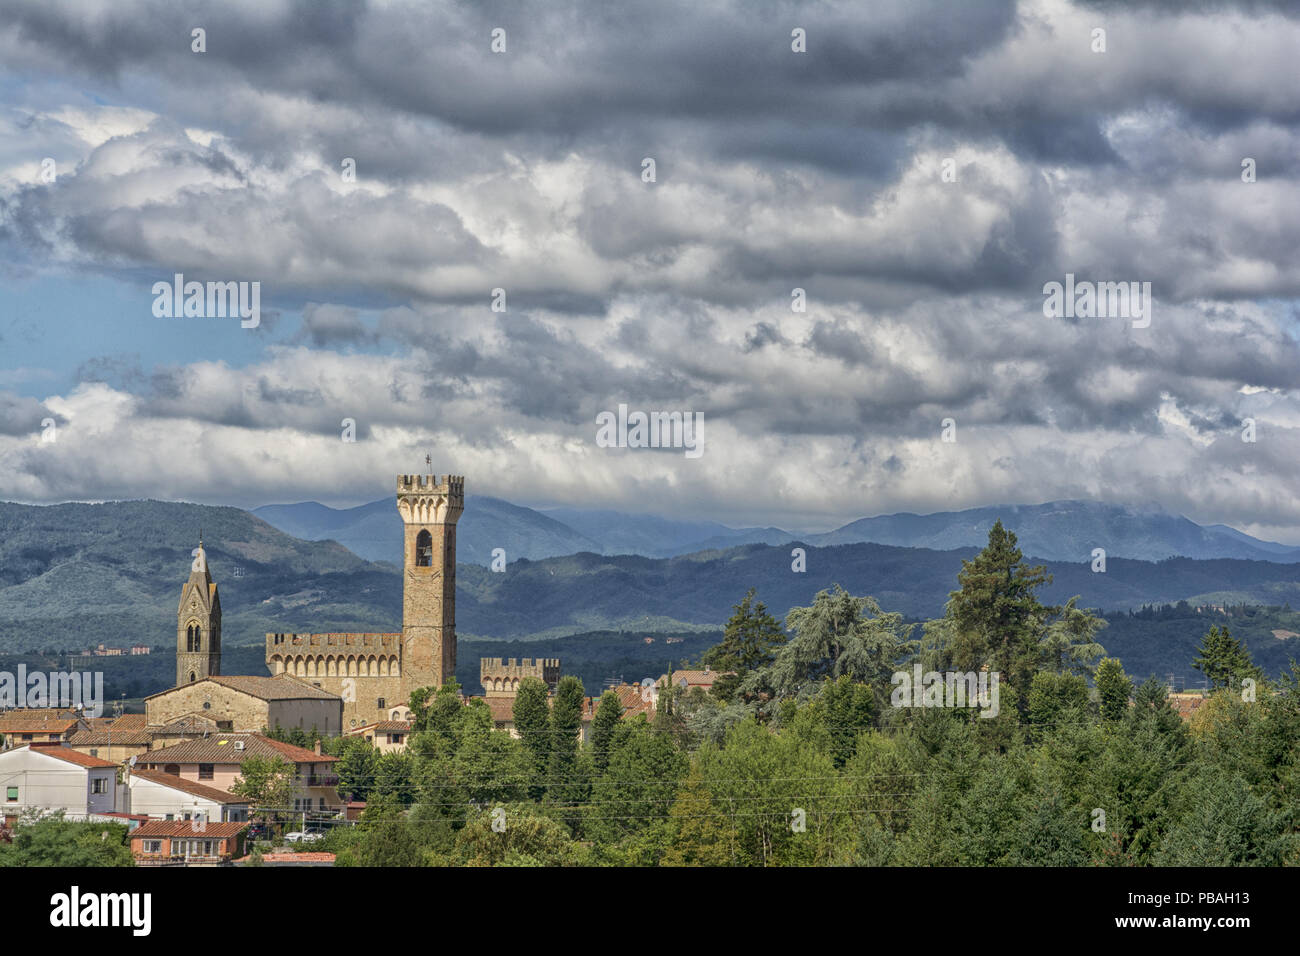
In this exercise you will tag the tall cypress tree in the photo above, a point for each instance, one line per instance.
(532, 715)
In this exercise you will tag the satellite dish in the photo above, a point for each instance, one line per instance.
(131, 762)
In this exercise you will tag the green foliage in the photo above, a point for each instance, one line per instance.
(54, 841)
(267, 782)
(749, 642)
(524, 837)
(1224, 660)
(838, 634)
(1114, 688)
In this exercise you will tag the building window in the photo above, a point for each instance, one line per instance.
(94, 751)
(27, 736)
(322, 803)
(423, 550)
(12, 795)
(394, 738)
(151, 846)
(99, 785)
(380, 703)
(205, 771)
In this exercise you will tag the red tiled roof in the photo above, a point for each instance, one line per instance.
(185, 828)
(16, 722)
(73, 756)
(131, 722)
(220, 748)
(188, 786)
(105, 738)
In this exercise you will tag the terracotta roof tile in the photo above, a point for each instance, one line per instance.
(73, 756)
(105, 738)
(185, 828)
(15, 722)
(220, 748)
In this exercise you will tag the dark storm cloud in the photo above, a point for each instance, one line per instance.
(20, 415)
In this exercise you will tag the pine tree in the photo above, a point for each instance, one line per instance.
(1113, 689)
(996, 613)
(1224, 660)
(749, 641)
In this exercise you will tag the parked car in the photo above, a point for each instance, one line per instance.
(298, 836)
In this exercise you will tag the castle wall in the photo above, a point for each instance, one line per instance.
(502, 678)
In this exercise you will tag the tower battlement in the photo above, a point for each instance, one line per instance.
(369, 641)
(453, 485)
(501, 678)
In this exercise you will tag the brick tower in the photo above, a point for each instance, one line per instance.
(429, 511)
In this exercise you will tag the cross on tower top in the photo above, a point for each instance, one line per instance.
(428, 461)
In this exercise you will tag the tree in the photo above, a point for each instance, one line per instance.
(838, 634)
(516, 835)
(749, 641)
(53, 841)
(564, 786)
(697, 839)
(1113, 689)
(532, 715)
(996, 614)
(608, 713)
(1055, 697)
(267, 782)
(356, 767)
(1225, 824)
(1224, 660)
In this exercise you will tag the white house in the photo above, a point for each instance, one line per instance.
(170, 797)
(54, 777)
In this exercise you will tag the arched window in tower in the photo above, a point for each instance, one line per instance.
(193, 677)
(424, 550)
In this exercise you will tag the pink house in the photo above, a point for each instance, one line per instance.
(214, 760)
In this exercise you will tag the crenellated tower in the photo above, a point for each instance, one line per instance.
(429, 510)
(198, 624)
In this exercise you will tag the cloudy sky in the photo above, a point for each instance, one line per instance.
(522, 170)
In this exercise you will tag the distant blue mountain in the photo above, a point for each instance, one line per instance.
(374, 531)
(1055, 531)
(1065, 531)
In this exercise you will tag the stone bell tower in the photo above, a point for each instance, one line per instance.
(429, 511)
(198, 624)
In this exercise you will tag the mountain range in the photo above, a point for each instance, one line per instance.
(1055, 531)
(75, 575)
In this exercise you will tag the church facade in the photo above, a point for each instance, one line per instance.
(375, 673)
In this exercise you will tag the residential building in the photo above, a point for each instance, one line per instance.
(214, 760)
(386, 735)
(178, 843)
(171, 797)
(51, 777)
